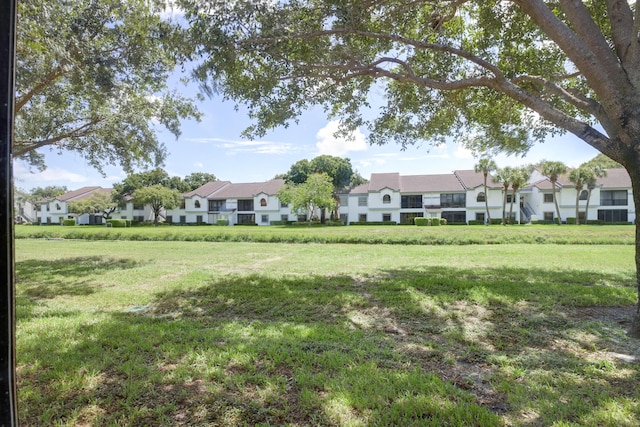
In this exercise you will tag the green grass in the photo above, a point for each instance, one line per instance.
(198, 333)
(403, 235)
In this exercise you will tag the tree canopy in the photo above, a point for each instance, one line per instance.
(316, 192)
(91, 77)
(43, 193)
(495, 75)
(99, 203)
(158, 198)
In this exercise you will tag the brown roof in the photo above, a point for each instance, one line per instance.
(360, 189)
(384, 180)
(247, 190)
(616, 178)
(207, 189)
(82, 193)
(472, 179)
(429, 183)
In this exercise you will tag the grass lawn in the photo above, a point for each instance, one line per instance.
(172, 333)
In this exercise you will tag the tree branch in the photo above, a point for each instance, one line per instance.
(48, 80)
(27, 146)
(605, 78)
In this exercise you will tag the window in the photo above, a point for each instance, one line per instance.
(57, 206)
(509, 198)
(284, 217)
(407, 217)
(362, 218)
(480, 216)
(613, 215)
(246, 218)
(245, 205)
(584, 194)
(183, 204)
(169, 219)
(183, 219)
(614, 198)
(123, 217)
(138, 207)
(264, 219)
(199, 219)
(548, 198)
(481, 197)
(453, 200)
(362, 200)
(197, 204)
(386, 217)
(216, 205)
(386, 199)
(548, 216)
(344, 200)
(263, 202)
(411, 202)
(454, 216)
(284, 205)
(139, 218)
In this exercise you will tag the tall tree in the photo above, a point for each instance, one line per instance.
(158, 198)
(503, 176)
(603, 162)
(92, 78)
(315, 192)
(498, 74)
(580, 177)
(519, 178)
(49, 192)
(486, 166)
(597, 171)
(136, 181)
(198, 179)
(99, 203)
(553, 170)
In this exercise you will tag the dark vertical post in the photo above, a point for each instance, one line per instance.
(8, 406)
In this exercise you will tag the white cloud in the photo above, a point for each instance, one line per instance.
(199, 165)
(462, 152)
(253, 147)
(53, 175)
(329, 143)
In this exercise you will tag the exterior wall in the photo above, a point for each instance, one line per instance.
(494, 199)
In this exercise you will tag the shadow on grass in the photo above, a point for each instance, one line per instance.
(427, 346)
(40, 279)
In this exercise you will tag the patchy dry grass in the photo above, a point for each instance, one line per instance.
(182, 334)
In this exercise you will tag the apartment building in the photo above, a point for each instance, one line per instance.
(459, 197)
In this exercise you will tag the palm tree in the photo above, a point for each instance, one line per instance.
(553, 170)
(486, 166)
(503, 176)
(580, 177)
(519, 178)
(598, 172)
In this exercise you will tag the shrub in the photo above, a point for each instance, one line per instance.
(69, 222)
(436, 221)
(571, 220)
(476, 222)
(421, 222)
(373, 223)
(443, 221)
(222, 222)
(496, 221)
(119, 223)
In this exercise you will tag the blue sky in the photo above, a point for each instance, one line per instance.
(214, 145)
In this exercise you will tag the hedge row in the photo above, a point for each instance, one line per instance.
(423, 222)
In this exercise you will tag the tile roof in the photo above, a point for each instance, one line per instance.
(207, 189)
(247, 190)
(471, 179)
(429, 183)
(616, 178)
(384, 180)
(82, 193)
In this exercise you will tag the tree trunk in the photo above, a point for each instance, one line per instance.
(577, 206)
(504, 206)
(513, 196)
(486, 200)
(555, 200)
(586, 207)
(634, 330)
